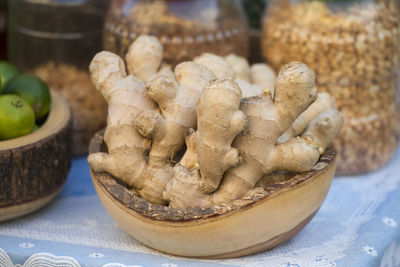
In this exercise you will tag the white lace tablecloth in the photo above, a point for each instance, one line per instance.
(358, 225)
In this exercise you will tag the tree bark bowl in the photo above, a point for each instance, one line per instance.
(34, 167)
(247, 226)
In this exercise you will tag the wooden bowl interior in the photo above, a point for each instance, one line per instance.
(129, 198)
(58, 117)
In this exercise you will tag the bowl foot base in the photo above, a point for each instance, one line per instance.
(14, 211)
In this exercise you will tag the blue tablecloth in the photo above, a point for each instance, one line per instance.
(358, 225)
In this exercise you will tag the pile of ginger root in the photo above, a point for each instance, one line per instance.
(235, 123)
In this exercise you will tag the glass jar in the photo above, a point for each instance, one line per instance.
(254, 11)
(56, 40)
(186, 28)
(353, 48)
(3, 28)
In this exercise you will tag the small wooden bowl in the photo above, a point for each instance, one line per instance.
(250, 226)
(34, 167)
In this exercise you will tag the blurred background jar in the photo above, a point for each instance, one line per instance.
(254, 10)
(56, 40)
(3, 28)
(186, 28)
(353, 48)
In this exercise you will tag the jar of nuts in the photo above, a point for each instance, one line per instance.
(56, 40)
(186, 28)
(353, 48)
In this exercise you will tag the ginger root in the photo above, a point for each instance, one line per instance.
(138, 118)
(144, 57)
(240, 123)
(253, 81)
(177, 99)
(267, 119)
(127, 99)
(214, 151)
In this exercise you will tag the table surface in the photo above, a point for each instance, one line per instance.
(358, 225)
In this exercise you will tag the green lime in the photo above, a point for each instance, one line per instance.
(16, 117)
(7, 72)
(33, 90)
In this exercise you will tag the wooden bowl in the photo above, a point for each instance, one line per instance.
(249, 226)
(34, 167)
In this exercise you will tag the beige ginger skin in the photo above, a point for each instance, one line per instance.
(158, 115)
(127, 99)
(267, 119)
(240, 123)
(176, 97)
(219, 122)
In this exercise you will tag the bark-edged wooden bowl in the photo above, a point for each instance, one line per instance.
(248, 226)
(34, 167)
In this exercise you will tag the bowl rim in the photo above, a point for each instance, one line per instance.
(59, 116)
(120, 193)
